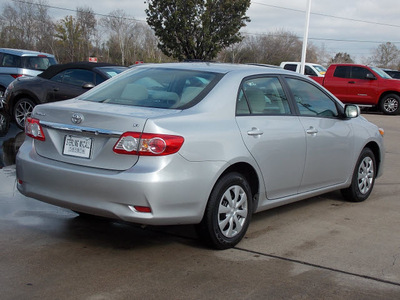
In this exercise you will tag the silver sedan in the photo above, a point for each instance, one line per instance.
(198, 143)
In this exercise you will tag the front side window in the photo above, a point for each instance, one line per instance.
(310, 100)
(360, 73)
(155, 87)
(262, 96)
(76, 77)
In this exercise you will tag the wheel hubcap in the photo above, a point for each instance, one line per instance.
(391, 105)
(232, 211)
(365, 175)
(23, 111)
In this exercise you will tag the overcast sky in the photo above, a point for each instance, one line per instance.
(353, 26)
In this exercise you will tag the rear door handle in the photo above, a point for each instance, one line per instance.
(255, 132)
(352, 82)
(312, 130)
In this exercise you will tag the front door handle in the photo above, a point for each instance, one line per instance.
(255, 132)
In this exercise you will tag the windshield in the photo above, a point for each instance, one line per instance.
(112, 71)
(381, 73)
(155, 87)
(320, 69)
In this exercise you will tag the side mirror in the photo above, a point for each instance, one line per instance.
(88, 85)
(370, 76)
(351, 111)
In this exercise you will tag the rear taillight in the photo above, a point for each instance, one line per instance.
(148, 144)
(33, 129)
(15, 76)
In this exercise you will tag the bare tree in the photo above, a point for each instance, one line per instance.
(87, 20)
(120, 28)
(386, 56)
(26, 25)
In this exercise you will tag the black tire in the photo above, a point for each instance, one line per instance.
(228, 212)
(2, 90)
(4, 123)
(363, 179)
(23, 109)
(390, 104)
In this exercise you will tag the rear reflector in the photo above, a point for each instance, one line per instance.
(142, 209)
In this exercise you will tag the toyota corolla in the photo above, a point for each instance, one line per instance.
(198, 143)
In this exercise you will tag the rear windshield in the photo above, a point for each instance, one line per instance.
(39, 63)
(155, 87)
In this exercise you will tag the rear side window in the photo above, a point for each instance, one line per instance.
(342, 72)
(155, 87)
(262, 96)
(11, 61)
(290, 67)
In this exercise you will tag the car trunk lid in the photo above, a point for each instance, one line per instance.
(85, 133)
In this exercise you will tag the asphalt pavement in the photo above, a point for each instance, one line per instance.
(319, 248)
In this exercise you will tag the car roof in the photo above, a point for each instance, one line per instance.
(21, 52)
(216, 67)
(55, 69)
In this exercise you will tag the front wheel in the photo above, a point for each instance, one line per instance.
(363, 178)
(4, 123)
(390, 104)
(23, 109)
(228, 212)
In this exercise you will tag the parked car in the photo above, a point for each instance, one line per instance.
(58, 82)
(311, 69)
(197, 143)
(363, 85)
(4, 120)
(15, 63)
(392, 73)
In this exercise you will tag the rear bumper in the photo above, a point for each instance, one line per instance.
(175, 189)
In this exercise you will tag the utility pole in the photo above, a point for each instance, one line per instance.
(305, 38)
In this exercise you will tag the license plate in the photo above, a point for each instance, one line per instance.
(77, 146)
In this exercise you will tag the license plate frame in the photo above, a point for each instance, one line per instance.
(77, 146)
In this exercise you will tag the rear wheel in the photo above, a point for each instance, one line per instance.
(23, 109)
(228, 212)
(390, 104)
(363, 178)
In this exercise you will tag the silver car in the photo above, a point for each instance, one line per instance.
(198, 143)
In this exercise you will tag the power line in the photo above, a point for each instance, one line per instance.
(258, 3)
(326, 15)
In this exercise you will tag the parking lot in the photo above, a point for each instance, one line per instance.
(320, 248)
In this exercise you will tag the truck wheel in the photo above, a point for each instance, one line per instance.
(390, 104)
(228, 212)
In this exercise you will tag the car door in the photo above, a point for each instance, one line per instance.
(272, 134)
(69, 83)
(329, 137)
(362, 90)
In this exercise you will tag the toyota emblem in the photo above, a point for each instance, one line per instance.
(77, 118)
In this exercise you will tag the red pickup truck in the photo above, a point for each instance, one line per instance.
(363, 85)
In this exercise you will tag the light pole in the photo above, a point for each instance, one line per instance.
(305, 38)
